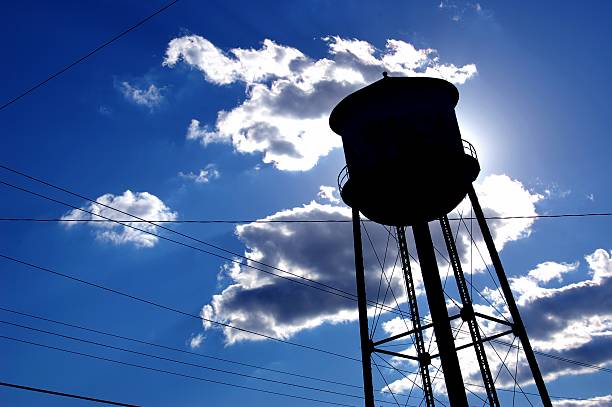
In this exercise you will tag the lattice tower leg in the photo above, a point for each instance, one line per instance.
(467, 312)
(519, 327)
(424, 357)
(439, 314)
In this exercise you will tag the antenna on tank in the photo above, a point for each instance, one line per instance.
(406, 166)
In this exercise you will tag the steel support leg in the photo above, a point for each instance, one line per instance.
(439, 314)
(424, 357)
(519, 327)
(366, 344)
(467, 312)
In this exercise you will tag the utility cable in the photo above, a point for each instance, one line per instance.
(223, 257)
(238, 221)
(175, 310)
(185, 351)
(320, 286)
(202, 355)
(90, 53)
(353, 298)
(62, 394)
(181, 362)
(234, 385)
(223, 324)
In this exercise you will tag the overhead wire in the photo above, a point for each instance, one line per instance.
(217, 255)
(199, 354)
(64, 394)
(89, 54)
(338, 293)
(319, 285)
(200, 249)
(241, 221)
(118, 348)
(176, 310)
(181, 312)
(96, 331)
(105, 44)
(169, 372)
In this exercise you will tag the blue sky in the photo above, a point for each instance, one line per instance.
(218, 110)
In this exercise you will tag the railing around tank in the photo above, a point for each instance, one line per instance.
(469, 149)
(342, 178)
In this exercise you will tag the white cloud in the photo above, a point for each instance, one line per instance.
(204, 176)
(196, 341)
(573, 320)
(289, 96)
(328, 193)
(601, 401)
(150, 97)
(324, 252)
(547, 271)
(500, 196)
(142, 204)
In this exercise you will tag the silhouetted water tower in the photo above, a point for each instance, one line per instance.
(406, 166)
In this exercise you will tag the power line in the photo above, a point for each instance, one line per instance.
(223, 324)
(62, 394)
(182, 362)
(202, 355)
(180, 350)
(558, 357)
(320, 286)
(295, 396)
(175, 310)
(90, 53)
(233, 260)
(237, 221)
(266, 368)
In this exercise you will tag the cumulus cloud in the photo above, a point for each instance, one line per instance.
(204, 176)
(141, 204)
(150, 97)
(324, 252)
(573, 321)
(289, 95)
(576, 317)
(280, 307)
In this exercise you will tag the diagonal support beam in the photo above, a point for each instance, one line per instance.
(366, 344)
(467, 313)
(507, 291)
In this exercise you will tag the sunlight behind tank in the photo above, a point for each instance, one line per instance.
(406, 161)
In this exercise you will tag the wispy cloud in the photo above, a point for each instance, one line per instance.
(459, 9)
(204, 176)
(150, 97)
(196, 341)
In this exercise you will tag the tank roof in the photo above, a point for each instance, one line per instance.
(392, 93)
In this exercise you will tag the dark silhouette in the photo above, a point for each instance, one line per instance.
(406, 166)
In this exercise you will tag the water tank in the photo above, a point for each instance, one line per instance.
(405, 159)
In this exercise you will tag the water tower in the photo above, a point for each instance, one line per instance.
(407, 166)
